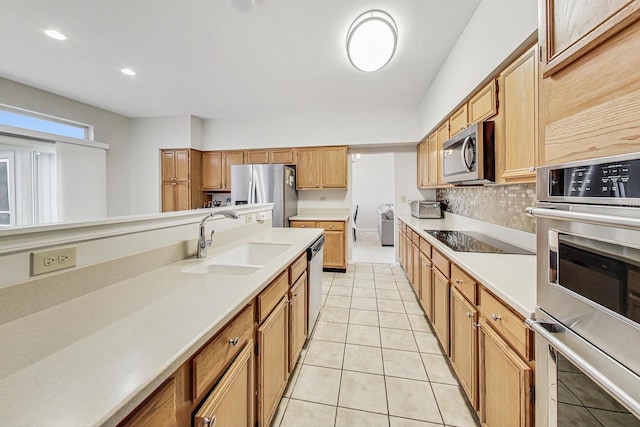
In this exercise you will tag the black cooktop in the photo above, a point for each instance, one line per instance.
(470, 241)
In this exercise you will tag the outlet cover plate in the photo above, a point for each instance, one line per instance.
(52, 260)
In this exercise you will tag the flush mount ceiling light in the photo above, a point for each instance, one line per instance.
(57, 35)
(128, 72)
(371, 40)
(243, 6)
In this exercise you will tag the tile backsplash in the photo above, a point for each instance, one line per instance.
(500, 204)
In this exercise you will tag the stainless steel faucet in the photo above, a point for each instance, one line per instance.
(203, 243)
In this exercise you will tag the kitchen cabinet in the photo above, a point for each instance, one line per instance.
(416, 265)
(211, 170)
(230, 158)
(322, 168)
(255, 157)
(517, 148)
(440, 320)
(464, 344)
(484, 104)
(298, 318)
(434, 161)
(180, 186)
(442, 135)
(231, 402)
(273, 361)
(422, 159)
(159, 409)
(335, 243)
(504, 382)
(426, 285)
(286, 156)
(571, 28)
(458, 121)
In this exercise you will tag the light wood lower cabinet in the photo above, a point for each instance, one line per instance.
(504, 383)
(158, 410)
(335, 241)
(273, 362)
(464, 344)
(426, 286)
(298, 319)
(440, 319)
(231, 403)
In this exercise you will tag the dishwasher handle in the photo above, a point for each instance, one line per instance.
(315, 248)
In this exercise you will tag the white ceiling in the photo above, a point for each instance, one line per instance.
(200, 57)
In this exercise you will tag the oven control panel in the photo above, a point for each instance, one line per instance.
(614, 180)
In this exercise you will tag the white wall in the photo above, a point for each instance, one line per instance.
(109, 128)
(373, 184)
(82, 182)
(148, 136)
(344, 128)
(494, 31)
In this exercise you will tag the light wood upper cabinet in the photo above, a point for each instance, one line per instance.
(212, 170)
(442, 137)
(504, 382)
(297, 319)
(458, 120)
(422, 158)
(180, 186)
(434, 160)
(230, 158)
(464, 344)
(231, 402)
(257, 156)
(571, 28)
(484, 104)
(286, 156)
(322, 168)
(517, 151)
(273, 362)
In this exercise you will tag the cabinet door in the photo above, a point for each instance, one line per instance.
(434, 160)
(423, 164)
(273, 362)
(401, 250)
(441, 308)
(169, 196)
(504, 382)
(182, 165)
(334, 249)
(458, 120)
(158, 410)
(182, 192)
(297, 319)
(464, 344)
(519, 145)
(426, 286)
(231, 402)
(168, 165)
(408, 249)
(230, 158)
(483, 105)
(334, 167)
(257, 157)
(211, 170)
(443, 136)
(416, 269)
(286, 156)
(308, 168)
(571, 28)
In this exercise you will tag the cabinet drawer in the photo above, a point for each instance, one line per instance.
(506, 323)
(441, 263)
(298, 267)
(303, 224)
(208, 365)
(158, 410)
(331, 225)
(464, 283)
(272, 295)
(425, 247)
(415, 237)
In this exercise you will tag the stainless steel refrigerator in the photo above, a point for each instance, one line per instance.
(266, 184)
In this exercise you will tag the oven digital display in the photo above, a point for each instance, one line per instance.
(615, 180)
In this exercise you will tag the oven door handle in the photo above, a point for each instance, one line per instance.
(606, 220)
(557, 336)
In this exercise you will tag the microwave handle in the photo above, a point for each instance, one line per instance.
(466, 142)
(606, 220)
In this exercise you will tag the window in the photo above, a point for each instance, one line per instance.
(41, 123)
(5, 211)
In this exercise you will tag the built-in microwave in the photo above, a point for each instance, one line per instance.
(468, 158)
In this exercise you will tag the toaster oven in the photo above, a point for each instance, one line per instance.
(426, 209)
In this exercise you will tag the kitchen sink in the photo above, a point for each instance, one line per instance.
(241, 261)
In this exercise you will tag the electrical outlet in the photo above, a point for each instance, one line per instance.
(52, 260)
(403, 198)
(248, 218)
(472, 202)
(323, 198)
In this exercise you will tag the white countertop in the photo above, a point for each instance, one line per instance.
(93, 359)
(511, 277)
(329, 217)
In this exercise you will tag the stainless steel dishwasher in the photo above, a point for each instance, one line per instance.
(315, 255)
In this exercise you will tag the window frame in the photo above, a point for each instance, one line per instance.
(88, 129)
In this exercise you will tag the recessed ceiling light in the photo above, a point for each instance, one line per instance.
(243, 6)
(55, 34)
(371, 40)
(128, 72)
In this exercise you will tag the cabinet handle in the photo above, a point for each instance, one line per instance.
(295, 295)
(211, 422)
(330, 227)
(233, 342)
(459, 282)
(469, 315)
(495, 317)
(476, 325)
(532, 169)
(173, 183)
(303, 225)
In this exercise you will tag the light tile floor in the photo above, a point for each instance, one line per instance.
(372, 360)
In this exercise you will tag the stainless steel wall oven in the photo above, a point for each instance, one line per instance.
(588, 293)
